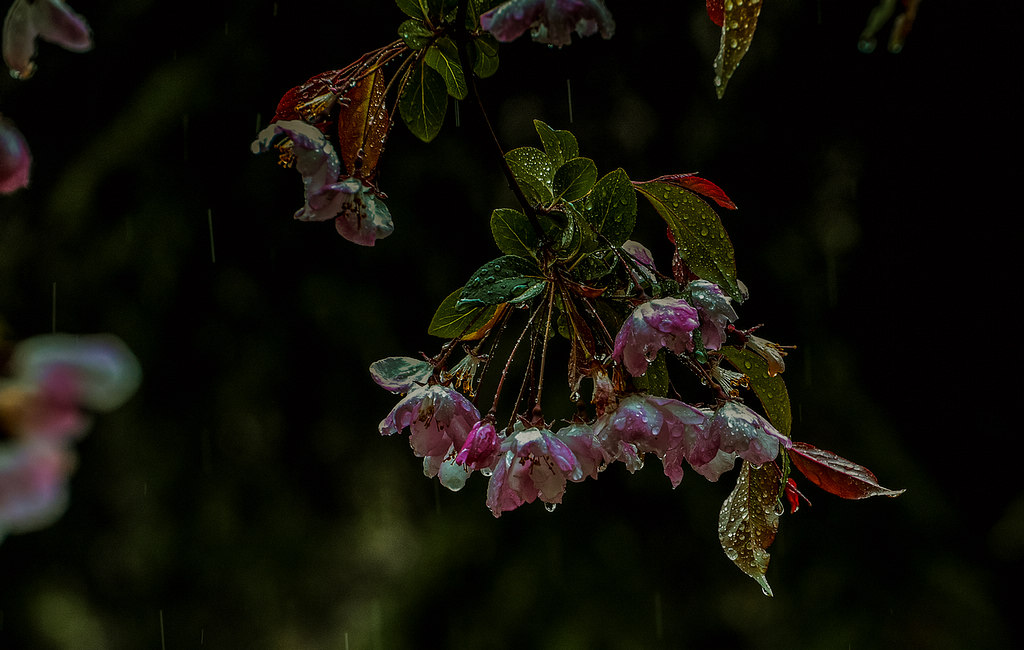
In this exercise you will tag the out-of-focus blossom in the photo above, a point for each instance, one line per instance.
(480, 451)
(550, 21)
(53, 380)
(735, 431)
(770, 352)
(533, 463)
(715, 309)
(359, 214)
(439, 420)
(50, 20)
(15, 159)
(645, 424)
(662, 323)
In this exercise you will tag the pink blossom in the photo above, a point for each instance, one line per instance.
(715, 310)
(551, 21)
(15, 159)
(645, 424)
(480, 451)
(533, 463)
(439, 420)
(657, 324)
(51, 20)
(33, 485)
(359, 214)
(735, 431)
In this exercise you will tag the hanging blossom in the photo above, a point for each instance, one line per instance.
(15, 159)
(535, 463)
(439, 420)
(358, 212)
(550, 21)
(735, 431)
(644, 424)
(656, 324)
(54, 381)
(715, 310)
(50, 20)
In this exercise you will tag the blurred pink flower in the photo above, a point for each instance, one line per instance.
(51, 20)
(551, 21)
(15, 159)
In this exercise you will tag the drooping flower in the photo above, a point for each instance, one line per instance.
(439, 420)
(770, 352)
(715, 310)
(734, 432)
(645, 424)
(480, 451)
(550, 21)
(15, 159)
(51, 20)
(533, 463)
(359, 214)
(656, 324)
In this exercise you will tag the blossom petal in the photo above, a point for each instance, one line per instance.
(15, 159)
(51, 20)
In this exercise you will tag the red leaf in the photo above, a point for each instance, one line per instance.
(716, 12)
(837, 475)
(793, 496)
(699, 185)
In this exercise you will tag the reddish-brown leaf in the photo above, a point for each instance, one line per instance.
(363, 124)
(836, 474)
(699, 185)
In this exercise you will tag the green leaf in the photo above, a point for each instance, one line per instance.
(574, 179)
(738, 25)
(509, 278)
(611, 207)
(413, 8)
(415, 34)
(656, 380)
(533, 172)
(700, 236)
(749, 520)
(444, 58)
(450, 321)
(484, 51)
(424, 102)
(441, 8)
(560, 146)
(770, 390)
(513, 233)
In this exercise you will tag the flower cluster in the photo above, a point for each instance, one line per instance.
(529, 460)
(549, 21)
(53, 383)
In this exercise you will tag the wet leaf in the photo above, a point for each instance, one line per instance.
(699, 234)
(701, 186)
(656, 380)
(560, 146)
(534, 172)
(513, 233)
(509, 278)
(451, 321)
(363, 125)
(415, 34)
(836, 474)
(610, 208)
(398, 374)
(574, 179)
(424, 102)
(749, 520)
(443, 57)
(739, 21)
(771, 390)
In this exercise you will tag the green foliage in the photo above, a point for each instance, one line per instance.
(771, 391)
(424, 101)
(453, 320)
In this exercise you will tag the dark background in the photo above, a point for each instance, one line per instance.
(243, 498)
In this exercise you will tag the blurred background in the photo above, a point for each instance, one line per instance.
(244, 499)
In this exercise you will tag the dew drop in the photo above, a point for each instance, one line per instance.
(732, 554)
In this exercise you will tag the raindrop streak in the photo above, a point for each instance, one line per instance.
(568, 90)
(209, 219)
(163, 644)
(457, 122)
